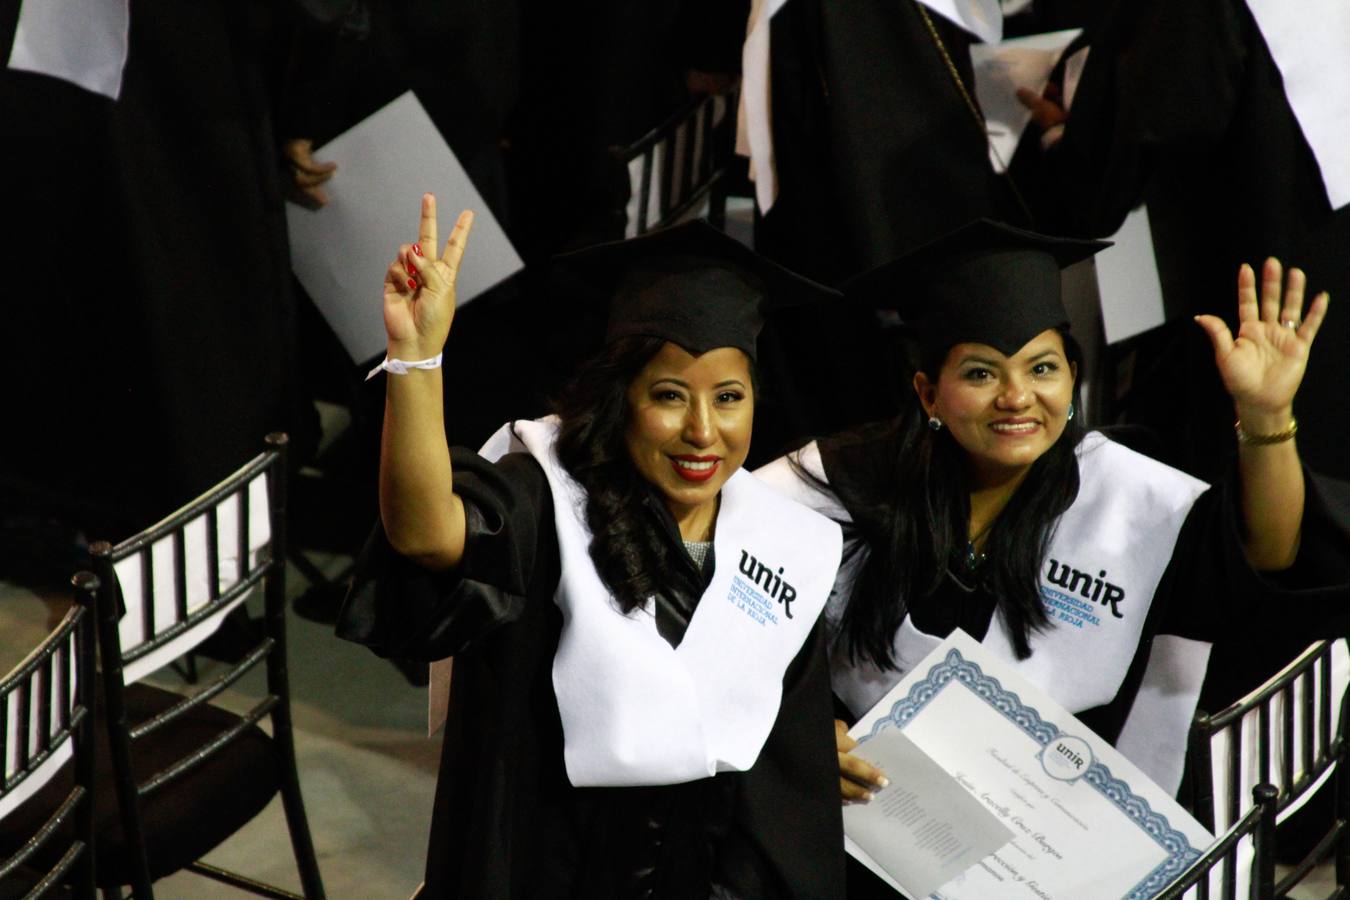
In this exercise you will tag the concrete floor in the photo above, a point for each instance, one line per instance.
(367, 769)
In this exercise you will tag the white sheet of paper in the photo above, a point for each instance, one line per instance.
(340, 252)
(923, 829)
(80, 41)
(982, 18)
(1128, 281)
(1307, 41)
(1000, 69)
(1086, 822)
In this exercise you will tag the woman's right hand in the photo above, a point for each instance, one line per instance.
(419, 290)
(858, 779)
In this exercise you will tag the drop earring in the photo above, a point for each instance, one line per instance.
(1069, 417)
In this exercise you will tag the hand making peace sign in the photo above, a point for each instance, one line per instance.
(419, 290)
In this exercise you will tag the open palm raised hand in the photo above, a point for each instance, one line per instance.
(419, 290)
(1263, 366)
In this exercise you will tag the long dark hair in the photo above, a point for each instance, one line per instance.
(626, 546)
(915, 524)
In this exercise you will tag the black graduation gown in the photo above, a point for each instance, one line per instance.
(1181, 106)
(876, 152)
(507, 823)
(150, 346)
(1208, 591)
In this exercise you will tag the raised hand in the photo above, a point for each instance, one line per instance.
(419, 290)
(1263, 366)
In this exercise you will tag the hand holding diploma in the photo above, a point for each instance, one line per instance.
(1057, 812)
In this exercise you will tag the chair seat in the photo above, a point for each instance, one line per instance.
(206, 806)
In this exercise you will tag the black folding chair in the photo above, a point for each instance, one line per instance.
(188, 773)
(1222, 857)
(1280, 734)
(679, 164)
(45, 730)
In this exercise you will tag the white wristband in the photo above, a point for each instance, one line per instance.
(402, 367)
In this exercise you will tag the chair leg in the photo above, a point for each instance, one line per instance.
(297, 823)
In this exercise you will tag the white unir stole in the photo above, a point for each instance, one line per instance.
(1106, 559)
(636, 710)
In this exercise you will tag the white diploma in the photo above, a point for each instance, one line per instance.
(923, 829)
(340, 252)
(1084, 821)
(1002, 68)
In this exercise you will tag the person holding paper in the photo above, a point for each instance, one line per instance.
(985, 506)
(1227, 118)
(641, 704)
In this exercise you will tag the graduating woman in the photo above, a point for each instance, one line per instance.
(641, 702)
(986, 506)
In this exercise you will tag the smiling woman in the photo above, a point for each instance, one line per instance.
(689, 429)
(985, 506)
(624, 700)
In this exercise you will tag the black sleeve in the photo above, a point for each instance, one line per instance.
(398, 608)
(1162, 79)
(1212, 593)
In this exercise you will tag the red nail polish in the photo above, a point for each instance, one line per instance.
(412, 285)
(417, 248)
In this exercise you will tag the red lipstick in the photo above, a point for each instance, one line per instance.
(695, 468)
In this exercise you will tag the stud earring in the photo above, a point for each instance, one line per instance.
(1069, 417)
(934, 423)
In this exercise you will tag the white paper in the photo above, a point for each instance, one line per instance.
(340, 252)
(80, 41)
(923, 828)
(1086, 822)
(982, 18)
(1128, 281)
(1307, 40)
(1073, 74)
(1000, 69)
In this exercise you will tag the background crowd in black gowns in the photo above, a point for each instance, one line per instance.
(153, 333)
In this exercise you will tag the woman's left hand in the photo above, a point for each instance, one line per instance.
(1263, 366)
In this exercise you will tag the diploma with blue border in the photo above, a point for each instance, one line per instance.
(1059, 814)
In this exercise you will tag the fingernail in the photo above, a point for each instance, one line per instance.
(867, 798)
(884, 781)
(417, 248)
(412, 284)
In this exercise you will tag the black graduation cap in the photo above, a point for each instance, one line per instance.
(689, 284)
(985, 283)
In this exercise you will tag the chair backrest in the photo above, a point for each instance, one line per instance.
(207, 556)
(1224, 870)
(180, 577)
(679, 164)
(45, 705)
(1289, 733)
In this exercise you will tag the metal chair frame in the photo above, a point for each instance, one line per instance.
(694, 148)
(269, 572)
(1322, 751)
(67, 650)
(1259, 822)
